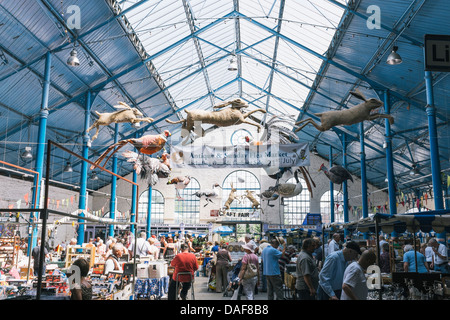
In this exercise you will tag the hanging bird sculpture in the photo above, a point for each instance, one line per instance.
(336, 174)
(180, 182)
(208, 194)
(148, 144)
(288, 190)
(148, 168)
(269, 195)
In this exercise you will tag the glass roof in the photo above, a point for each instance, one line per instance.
(192, 42)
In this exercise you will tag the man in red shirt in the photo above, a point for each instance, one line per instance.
(183, 262)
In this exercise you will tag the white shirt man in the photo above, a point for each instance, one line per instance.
(334, 244)
(142, 246)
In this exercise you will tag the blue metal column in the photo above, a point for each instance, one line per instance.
(40, 152)
(389, 158)
(331, 188)
(112, 204)
(434, 149)
(149, 212)
(84, 169)
(446, 188)
(365, 207)
(133, 202)
(344, 184)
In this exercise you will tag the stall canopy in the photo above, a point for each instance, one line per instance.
(437, 221)
(306, 232)
(223, 230)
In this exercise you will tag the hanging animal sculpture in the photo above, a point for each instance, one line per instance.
(250, 196)
(148, 144)
(150, 169)
(208, 194)
(180, 182)
(231, 197)
(287, 190)
(349, 116)
(128, 114)
(337, 174)
(277, 130)
(222, 118)
(269, 195)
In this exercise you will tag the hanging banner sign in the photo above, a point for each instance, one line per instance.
(201, 156)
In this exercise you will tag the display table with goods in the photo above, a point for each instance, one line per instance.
(152, 280)
(410, 228)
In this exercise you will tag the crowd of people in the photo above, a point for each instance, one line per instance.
(332, 271)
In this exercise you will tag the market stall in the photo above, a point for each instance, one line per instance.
(407, 284)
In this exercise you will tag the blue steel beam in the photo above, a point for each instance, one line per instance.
(190, 20)
(389, 157)
(82, 201)
(275, 52)
(434, 147)
(81, 36)
(374, 84)
(382, 25)
(330, 159)
(40, 153)
(112, 204)
(100, 85)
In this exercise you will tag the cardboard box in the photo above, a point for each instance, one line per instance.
(142, 271)
(157, 269)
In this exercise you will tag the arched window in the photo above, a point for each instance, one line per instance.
(296, 208)
(242, 181)
(325, 208)
(187, 205)
(157, 209)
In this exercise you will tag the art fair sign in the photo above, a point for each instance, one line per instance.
(201, 156)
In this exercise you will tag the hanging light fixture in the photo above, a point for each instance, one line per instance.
(394, 58)
(94, 176)
(73, 59)
(414, 170)
(233, 63)
(68, 167)
(27, 155)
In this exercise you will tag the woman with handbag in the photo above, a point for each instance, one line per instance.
(222, 264)
(249, 275)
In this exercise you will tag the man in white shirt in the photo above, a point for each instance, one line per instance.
(440, 257)
(334, 243)
(112, 262)
(142, 246)
(354, 285)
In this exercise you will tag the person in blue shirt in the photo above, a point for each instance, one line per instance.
(409, 260)
(332, 274)
(271, 269)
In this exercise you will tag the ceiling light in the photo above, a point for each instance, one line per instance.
(414, 170)
(27, 155)
(394, 58)
(73, 59)
(68, 167)
(94, 176)
(314, 150)
(233, 64)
